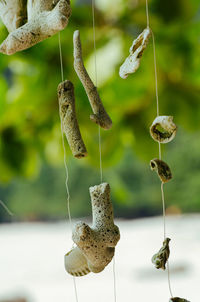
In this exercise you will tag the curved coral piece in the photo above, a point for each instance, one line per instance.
(163, 129)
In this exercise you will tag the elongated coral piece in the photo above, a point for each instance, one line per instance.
(100, 115)
(68, 119)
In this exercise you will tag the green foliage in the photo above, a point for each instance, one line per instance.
(30, 138)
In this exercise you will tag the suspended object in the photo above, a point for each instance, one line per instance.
(68, 119)
(132, 62)
(100, 115)
(176, 299)
(162, 169)
(160, 258)
(163, 129)
(96, 243)
(44, 19)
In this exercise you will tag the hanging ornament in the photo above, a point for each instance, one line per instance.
(162, 169)
(45, 19)
(160, 258)
(132, 63)
(100, 115)
(96, 244)
(163, 130)
(68, 119)
(13, 13)
(176, 299)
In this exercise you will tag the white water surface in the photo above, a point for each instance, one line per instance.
(32, 263)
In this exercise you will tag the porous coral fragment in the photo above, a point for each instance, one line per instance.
(160, 258)
(100, 115)
(163, 129)
(44, 20)
(132, 62)
(68, 119)
(162, 169)
(97, 243)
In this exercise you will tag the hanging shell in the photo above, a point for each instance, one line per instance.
(176, 299)
(76, 263)
(132, 63)
(96, 243)
(162, 169)
(163, 129)
(160, 258)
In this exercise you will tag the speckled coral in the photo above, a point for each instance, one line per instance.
(97, 243)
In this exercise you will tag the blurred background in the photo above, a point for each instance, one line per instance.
(32, 175)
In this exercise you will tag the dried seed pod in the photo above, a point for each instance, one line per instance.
(45, 19)
(97, 243)
(13, 13)
(162, 169)
(163, 129)
(160, 258)
(100, 115)
(176, 299)
(68, 119)
(76, 263)
(132, 63)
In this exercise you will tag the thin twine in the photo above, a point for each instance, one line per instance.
(96, 84)
(159, 144)
(114, 280)
(65, 160)
(6, 208)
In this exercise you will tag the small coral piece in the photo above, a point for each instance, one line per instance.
(160, 258)
(68, 119)
(45, 18)
(176, 299)
(163, 129)
(132, 63)
(100, 115)
(76, 263)
(97, 243)
(162, 169)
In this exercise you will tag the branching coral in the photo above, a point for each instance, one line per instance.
(96, 243)
(45, 18)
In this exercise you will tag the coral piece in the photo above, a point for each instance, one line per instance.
(68, 119)
(97, 243)
(176, 299)
(45, 18)
(160, 258)
(76, 263)
(132, 63)
(13, 13)
(163, 129)
(162, 169)
(100, 115)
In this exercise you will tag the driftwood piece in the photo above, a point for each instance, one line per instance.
(132, 62)
(162, 169)
(163, 129)
(160, 258)
(68, 119)
(96, 243)
(45, 18)
(100, 115)
(176, 299)
(13, 13)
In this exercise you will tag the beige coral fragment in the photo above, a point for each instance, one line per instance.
(45, 18)
(132, 62)
(96, 243)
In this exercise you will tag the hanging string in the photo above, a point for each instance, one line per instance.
(6, 208)
(65, 160)
(96, 84)
(159, 144)
(114, 280)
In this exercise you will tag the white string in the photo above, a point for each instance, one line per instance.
(6, 208)
(159, 144)
(114, 281)
(65, 160)
(96, 84)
